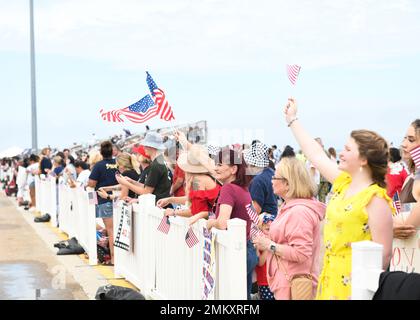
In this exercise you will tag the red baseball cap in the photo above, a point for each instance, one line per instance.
(140, 150)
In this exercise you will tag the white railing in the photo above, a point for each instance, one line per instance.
(72, 214)
(366, 269)
(164, 267)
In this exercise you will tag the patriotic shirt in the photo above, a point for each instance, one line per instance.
(239, 199)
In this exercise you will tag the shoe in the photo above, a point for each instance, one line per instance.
(44, 218)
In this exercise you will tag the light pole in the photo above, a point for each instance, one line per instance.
(33, 84)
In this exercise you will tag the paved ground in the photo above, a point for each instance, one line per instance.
(30, 268)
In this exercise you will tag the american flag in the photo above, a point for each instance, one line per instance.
(143, 110)
(93, 199)
(190, 238)
(253, 215)
(397, 203)
(165, 109)
(292, 72)
(415, 155)
(164, 225)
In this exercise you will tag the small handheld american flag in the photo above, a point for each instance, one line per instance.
(397, 203)
(253, 215)
(415, 155)
(293, 72)
(190, 238)
(93, 198)
(164, 225)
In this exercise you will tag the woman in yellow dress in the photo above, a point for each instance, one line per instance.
(359, 208)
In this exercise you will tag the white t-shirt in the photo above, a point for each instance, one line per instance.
(83, 177)
(22, 176)
(31, 170)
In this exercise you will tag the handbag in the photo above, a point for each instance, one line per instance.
(300, 284)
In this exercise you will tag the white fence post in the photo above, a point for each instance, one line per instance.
(366, 269)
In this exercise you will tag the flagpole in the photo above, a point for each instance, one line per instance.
(33, 83)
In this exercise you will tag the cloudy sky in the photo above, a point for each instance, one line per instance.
(220, 61)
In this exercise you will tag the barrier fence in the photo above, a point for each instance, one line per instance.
(164, 267)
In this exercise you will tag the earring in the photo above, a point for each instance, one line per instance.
(361, 169)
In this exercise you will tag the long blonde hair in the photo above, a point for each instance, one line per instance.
(128, 161)
(94, 157)
(301, 185)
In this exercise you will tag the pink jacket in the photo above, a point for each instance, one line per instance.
(297, 228)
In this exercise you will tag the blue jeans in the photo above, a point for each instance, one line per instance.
(251, 263)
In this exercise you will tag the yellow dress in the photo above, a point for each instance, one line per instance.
(346, 222)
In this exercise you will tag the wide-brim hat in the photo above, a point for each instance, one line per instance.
(257, 155)
(196, 160)
(153, 140)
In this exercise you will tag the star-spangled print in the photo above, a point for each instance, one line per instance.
(148, 107)
(142, 105)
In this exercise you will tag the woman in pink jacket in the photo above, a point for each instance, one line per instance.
(295, 235)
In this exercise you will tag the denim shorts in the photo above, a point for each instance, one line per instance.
(104, 210)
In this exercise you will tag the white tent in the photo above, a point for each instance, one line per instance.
(11, 152)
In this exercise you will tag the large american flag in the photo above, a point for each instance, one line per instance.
(292, 72)
(165, 110)
(415, 155)
(190, 238)
(143, 110)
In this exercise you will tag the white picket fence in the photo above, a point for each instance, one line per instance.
(166, 268)
(163, 266)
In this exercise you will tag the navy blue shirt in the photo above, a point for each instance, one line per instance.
(104, 174)
(261, 190)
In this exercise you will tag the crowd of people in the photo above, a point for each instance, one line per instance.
(310, 203)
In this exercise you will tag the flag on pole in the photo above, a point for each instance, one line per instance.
(415, 155)
(293, 72)
(143, 110)
(397, 203)
(190, 238)
(164, 225)
(165, 110)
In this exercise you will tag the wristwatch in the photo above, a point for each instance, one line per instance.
(273, 247)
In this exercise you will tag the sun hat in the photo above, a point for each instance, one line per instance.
(196, 160)
(153, 140)
(140, 150)
(257, 155)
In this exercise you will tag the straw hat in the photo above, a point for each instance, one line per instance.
(196, 160)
